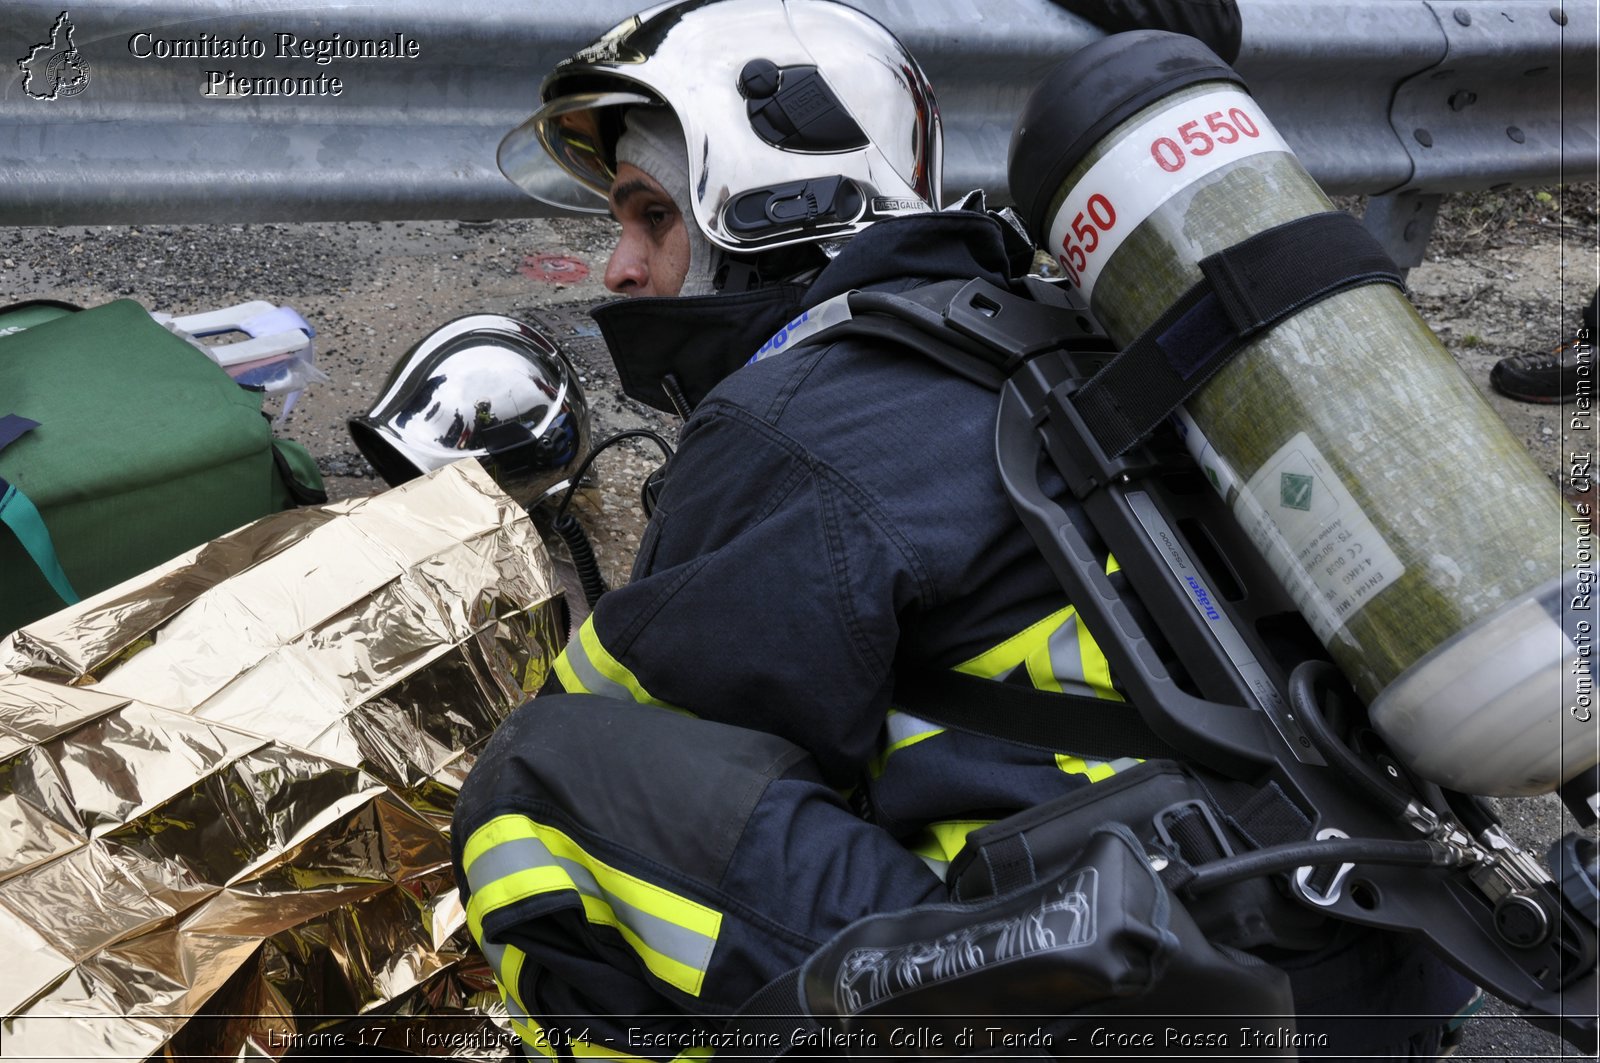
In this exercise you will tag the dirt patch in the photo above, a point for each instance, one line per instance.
(1509, 275)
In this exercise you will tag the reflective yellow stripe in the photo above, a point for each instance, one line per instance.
(1058, 653)
(902, 729)
(1094, 769)
(942, 841)
(587, 667)
(1097, 674)
(907, 730)
(511, 977)
(511, 889)
(913, 740)
(537, 859)
(609, 666)
(646, 896)
(534, 1035)
(569, 679)
(534, 881)
(1016, 649)
(1045, 672)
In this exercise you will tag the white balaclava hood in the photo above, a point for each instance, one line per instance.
(653, 141)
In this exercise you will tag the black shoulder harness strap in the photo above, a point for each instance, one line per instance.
(985, 334)
(1041, 719)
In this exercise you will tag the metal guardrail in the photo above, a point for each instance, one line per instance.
(1376, 96)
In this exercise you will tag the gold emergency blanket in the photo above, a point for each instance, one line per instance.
(226, 784)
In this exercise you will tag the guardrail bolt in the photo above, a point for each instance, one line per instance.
(1424, 137)
(1462, 99)
(1463, 16)
(1558, 16)
(1515, 134)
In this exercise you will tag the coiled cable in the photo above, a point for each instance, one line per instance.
(566, 525)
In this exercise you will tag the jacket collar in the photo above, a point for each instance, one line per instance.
(700, 340)
(921, 249)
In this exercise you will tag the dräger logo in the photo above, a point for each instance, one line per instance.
(55, 69)
(1202, 599)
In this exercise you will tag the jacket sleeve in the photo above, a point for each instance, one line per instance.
(766, 595)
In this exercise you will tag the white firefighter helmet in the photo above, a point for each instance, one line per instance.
(805, 120)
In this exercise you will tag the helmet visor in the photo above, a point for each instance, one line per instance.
(560, 156)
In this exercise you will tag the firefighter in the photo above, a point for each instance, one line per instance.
(718, 777)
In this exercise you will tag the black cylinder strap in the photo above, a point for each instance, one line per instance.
(1245, 289)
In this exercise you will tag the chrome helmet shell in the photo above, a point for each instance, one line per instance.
(484, 386)
(805, 120)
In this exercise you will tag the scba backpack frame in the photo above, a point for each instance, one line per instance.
(1288, 810)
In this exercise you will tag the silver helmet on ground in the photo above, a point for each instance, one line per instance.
(484, 386)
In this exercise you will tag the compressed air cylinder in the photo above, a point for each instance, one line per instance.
(1412, 529)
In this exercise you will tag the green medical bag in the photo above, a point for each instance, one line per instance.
(141, 448)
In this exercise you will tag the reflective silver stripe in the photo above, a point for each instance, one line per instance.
(903, 725)
(824, 315)
(590, 677)
(520, 854)
(495, 953)
(1066, 662)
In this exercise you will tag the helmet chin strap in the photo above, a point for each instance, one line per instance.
(731, 274)
(734, 274)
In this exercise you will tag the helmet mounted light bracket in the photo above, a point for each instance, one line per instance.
(793, 109)
(815, 201)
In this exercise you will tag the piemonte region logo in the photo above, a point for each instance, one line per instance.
(55, 69)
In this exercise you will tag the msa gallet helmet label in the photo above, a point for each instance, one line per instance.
(892, 205)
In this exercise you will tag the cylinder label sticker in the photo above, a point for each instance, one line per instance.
(1319, 542)
(1165, 154)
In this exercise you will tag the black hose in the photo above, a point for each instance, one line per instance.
(595, 452)
(1268, 861)
(566, 525)
(1303, 684)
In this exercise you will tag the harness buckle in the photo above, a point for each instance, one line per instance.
(1178, 825)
